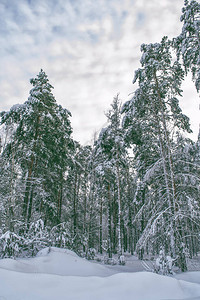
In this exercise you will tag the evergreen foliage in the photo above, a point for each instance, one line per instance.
(188, 42)
(38, 153)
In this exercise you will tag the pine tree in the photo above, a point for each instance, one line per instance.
(42, 146)
(156, 116)
(188, 42)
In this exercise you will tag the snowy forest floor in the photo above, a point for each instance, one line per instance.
(133, 264)
(62, 275)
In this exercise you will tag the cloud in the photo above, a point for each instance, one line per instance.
(89, 49)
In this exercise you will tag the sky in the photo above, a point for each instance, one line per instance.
(88, 48)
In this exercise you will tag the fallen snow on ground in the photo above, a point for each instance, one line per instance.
(61, 274)
(189, 276)
(57, 261)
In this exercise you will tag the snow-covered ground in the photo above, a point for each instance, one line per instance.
(62, 275)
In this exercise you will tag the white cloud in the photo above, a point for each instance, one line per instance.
(89, 49)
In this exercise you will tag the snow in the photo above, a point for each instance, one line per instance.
(61, 274)
(189, 276)
(58, 262)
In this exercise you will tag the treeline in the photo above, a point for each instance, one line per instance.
(136, 189)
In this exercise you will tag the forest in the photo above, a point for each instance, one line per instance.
(136, 189)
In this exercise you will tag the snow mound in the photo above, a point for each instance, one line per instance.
(46, 251)
(129, 286)
(56, 261)
(61, 274)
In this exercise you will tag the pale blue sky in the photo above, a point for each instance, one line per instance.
(89, 50)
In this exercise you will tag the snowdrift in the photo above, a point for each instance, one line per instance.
(56, 261)
(61, 274)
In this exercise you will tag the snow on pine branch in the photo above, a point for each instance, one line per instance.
(151, 171)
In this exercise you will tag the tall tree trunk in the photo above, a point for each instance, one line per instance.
(170, 203)
(27, 190)
(101, 226)
(30, 206)
(60, 199)
(119, 206)
(11, 202)
(75, 204)
(130, 214)
(167, 160)
(85, 215)
(109, 223)
(30, 171)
